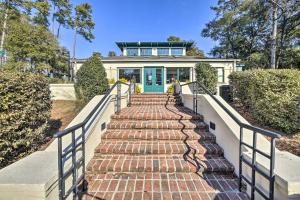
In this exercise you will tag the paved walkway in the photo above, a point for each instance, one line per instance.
(158, 149)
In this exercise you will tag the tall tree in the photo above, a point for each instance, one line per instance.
(41, 12)
(8, 7)
(62, 10)
(111, 53)
(173, 38)
(192, 51)
(83, 24)
(243, 29)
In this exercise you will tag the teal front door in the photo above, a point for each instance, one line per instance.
(153, 79)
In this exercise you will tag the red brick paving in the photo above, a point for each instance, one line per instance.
(153, 150)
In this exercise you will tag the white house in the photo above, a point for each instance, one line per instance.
(155, 64)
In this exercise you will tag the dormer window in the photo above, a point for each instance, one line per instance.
(154, 48)
(177, 51)
(162, 51)
(146, 51)
(132, 52)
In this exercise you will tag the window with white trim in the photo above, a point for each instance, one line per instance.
(130, 73)
(220, 71)
(146, 51)
(132, 52)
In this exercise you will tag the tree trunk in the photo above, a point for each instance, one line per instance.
(58, 31)
(74, 54)
(53, 19)
(4, 29)
(274, 35)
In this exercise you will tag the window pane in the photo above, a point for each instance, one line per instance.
(149, 76)
(158, 76)
(146, 52)
(162, 51)
(130, 73)
(220, 75)
(132, 52)
(184, 74)
(176, 51)
(171, 75)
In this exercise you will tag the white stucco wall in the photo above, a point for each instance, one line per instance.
(112, 68)
(62, 92)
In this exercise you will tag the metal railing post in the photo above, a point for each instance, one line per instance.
(83, 158)
(253, 165)
(118, 97)
(60, 170)
(74, 167)
(240, 160)
(272, 168)
(129, 92)
(194, 98)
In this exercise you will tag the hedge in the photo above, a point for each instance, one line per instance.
(271, 96)
(207, 75)
(24, 111)
(91, 79)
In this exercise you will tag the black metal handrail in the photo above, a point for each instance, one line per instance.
(78, 145)
(270, 176)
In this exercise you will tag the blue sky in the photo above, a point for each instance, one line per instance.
(142, 20)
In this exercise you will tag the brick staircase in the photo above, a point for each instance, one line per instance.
(158, 149)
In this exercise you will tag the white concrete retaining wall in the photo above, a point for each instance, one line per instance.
(62, 92)
(35, 177)
(227, 132)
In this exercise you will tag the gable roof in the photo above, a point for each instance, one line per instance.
(121, 45)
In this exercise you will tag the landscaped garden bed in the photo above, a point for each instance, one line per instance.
(270, 99)
(288, 142)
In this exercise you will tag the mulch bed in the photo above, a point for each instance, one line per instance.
(289, 143)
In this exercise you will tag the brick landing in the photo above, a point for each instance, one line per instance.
(158, 149)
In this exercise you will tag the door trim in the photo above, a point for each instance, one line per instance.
(162, 89)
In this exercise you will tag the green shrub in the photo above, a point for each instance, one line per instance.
(24, 111)
(207, 75)
(91, 79)
(271, 96)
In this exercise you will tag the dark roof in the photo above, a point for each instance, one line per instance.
(121, 45)
(160, 59)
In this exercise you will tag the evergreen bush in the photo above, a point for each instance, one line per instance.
(271, 96)
(91, 79)
(207, 75)
(24, 111)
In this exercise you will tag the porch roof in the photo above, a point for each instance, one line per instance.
(159, 59)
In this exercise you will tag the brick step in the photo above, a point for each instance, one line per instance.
(150, 134)
(155, 99)
(157, 95)
(179, 186)
(157, 147)
(162, 164)
(156, 124)
(156, 116)
(166, 97)
(157, 109)
(155, 103)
